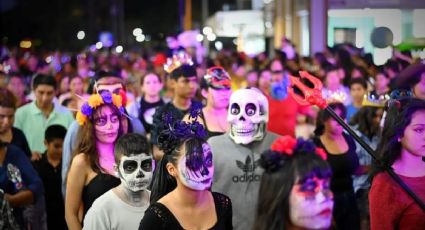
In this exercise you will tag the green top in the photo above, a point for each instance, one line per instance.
(31, 120)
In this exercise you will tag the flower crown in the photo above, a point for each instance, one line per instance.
(283, 148)
(96, 100)
(176, 61)
(177, 130)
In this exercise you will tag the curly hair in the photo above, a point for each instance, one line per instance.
(282, 171)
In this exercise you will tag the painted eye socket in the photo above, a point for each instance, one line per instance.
(209, 160)
(146, 165)
(250, 109)
(129, 166)
(115, 119)
(235, 109)
(101, 121)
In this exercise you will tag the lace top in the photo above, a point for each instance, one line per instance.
(157, 216)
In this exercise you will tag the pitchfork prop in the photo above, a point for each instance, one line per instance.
(313, 96)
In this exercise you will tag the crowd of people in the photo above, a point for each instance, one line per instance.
(102, 140)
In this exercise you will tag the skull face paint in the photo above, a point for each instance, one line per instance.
(311, 204)
(197, 176)
(135, 171)
(247, 115)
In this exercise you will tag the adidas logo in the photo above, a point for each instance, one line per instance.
(247, 167)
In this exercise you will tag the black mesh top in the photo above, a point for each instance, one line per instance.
(100, 184)
(157, 216)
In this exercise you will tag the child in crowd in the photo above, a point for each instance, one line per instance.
(49, 170)
(358, 89)
(124, 206)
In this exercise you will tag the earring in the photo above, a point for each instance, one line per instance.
(398, 139)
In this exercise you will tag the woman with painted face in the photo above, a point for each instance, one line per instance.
(402, 148)
(92, 171)
(341, 156)
(123, 206)
(295, 187)
(215, 87)
(181, 196)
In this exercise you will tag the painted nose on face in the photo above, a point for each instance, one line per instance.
(242, 118)
(204, 171)
(140, 174)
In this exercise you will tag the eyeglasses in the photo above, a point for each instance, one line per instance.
(103, 120)
(277, 71)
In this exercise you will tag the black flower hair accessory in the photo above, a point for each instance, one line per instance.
(177, 131)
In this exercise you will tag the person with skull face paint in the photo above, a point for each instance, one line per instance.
(237, 153)
(295, 187)
(123, 206)
(91, 172)
(181, 196)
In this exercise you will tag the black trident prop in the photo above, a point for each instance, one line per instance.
(313, 96)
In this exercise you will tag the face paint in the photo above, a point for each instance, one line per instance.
(311, 204)
(198, 178)
(135, 171)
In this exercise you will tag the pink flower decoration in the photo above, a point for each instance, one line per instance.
(284, 145)
(321, 153)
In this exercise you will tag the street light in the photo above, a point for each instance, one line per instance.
(81, 35)
(140, 38)
(119, 49)
(137, 32)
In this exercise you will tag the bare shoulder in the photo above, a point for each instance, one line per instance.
(80, 161)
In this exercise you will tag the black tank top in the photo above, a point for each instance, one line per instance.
(100, 184)
(210, 133)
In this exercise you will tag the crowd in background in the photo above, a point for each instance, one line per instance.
(57, 84)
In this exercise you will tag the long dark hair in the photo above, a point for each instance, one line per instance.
(399, 116)
(364, 120)
(324, 116)
(86, 138)
(163, 182)
(281, 173)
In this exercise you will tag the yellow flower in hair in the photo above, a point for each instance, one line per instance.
(95, 100)
(117, 100)
(81, 118)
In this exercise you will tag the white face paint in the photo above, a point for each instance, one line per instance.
(248, 114)
(135, 171)
(197, 177)
(311, 204)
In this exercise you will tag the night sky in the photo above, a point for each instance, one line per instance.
(54, 24)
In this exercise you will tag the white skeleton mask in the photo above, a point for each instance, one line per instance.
(248, 114)
(135, 171)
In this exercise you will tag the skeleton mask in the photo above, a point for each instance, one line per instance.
(248, 114)
(135, 171)
(199, 175)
